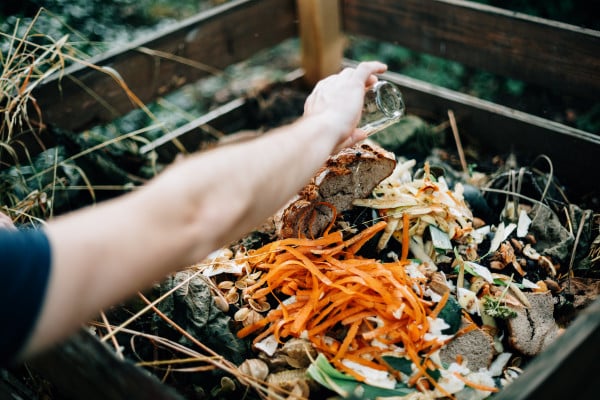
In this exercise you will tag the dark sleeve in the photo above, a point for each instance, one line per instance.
(24, 272)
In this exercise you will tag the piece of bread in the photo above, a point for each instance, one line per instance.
(534, 328)
(351, 174)
(476, 348)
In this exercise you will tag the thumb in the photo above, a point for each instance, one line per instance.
(356, 136)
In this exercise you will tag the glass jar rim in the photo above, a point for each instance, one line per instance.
(388, 98)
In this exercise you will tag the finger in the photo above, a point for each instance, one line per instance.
(365, 69)
(347, 71)
(356, 136)
(309, 105)
(371, 80)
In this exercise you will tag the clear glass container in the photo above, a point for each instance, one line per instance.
(383, 106)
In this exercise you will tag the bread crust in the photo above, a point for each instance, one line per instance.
(350, 174)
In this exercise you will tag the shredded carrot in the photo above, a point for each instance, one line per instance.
(440, 305)
(323, 241)
(382, 330)
(336, 290)
(363, 361)
(363, 237)
(476, 385)
(272, 329)
(350, 372)
(309, 307)
(250, 329)
(466, 329)
(350, 335)
(405, 237)
(330, 322)
(333, 217)
(308, 264)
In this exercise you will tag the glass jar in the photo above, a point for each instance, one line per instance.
(383, 106)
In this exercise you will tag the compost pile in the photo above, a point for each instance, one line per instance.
(394, 273)
(429, 283)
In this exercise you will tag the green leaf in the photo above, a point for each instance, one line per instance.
(401, 364)
(493, 308)
(435, 374)
(404, 365)
(451, 313)
(468, 269)
(345, 385)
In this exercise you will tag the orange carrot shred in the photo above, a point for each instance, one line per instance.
(333, 217)
(247, 330)
(440, 305)
(333, 289)
(476, 385)
(364, 236)
(347, 340)
(405, 237)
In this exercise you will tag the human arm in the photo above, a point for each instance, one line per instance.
(103, 254)
(6, 222)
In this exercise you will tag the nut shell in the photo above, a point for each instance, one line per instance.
(255, 368)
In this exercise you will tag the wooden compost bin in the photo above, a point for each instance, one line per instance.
(548, 53)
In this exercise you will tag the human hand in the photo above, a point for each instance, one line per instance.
(340, 98)
(6, 222)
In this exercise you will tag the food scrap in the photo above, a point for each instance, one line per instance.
(423, 299)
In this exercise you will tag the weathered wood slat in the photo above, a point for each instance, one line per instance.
(321, 38)
(84, 368)
(487, 126)
(228, 118)
(237, 115)
(495, 129)
(492, 128)
(201, 45)
(549, 53)
(11, 387)
(84, 96)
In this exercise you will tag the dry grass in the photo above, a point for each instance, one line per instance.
(29, 58)
(28, 61)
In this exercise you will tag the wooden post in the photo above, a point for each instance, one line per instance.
(321, 38)
(83, 367)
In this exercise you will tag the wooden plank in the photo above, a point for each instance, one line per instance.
(228, 118)
(321, 38)
(536, 50)
(202, 45)
(495, 129)
(85, 368)
(239, 114)
(12, 387)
